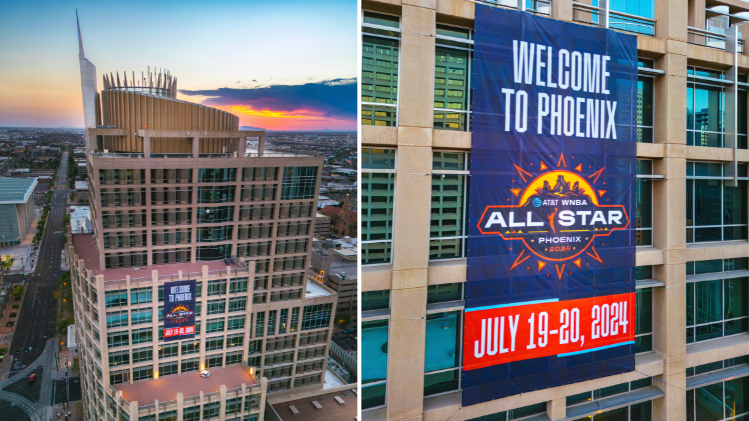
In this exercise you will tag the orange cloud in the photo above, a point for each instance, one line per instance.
(243, 109)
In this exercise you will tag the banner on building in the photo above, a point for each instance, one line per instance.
(179, 310)
(551, 249)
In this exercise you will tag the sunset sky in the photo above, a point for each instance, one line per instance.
(277, 65)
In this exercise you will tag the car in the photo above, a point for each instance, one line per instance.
(32, 378)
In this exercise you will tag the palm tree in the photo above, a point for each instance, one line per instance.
(352, 229)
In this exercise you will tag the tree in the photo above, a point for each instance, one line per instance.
(352, 229)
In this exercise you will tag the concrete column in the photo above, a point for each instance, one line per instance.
(671, 20)
(670, 90)
(263, 396)
(261, 145)
(561, 9)
(557, 409)
(180, 406)
(147, 147)
(222, 403)
(133, 410)
(195, 147)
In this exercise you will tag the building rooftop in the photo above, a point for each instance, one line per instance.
(328, 408)
(80, 221)
(85, 248)
(315, 290)
(16, 190)
(165, 389)
(81, 185)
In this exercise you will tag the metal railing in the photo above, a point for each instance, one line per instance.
(171, 155)
(705, 38)
(116, 155)
(345, 357)
(620, 21)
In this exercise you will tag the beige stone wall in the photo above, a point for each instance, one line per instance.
(410, 272)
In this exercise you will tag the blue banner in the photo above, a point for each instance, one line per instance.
(551, 248)
(179, 310)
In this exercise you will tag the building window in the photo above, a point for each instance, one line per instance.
(215, 361)
(238, 304)
(190, 365)
(452, 70)
(645, 99)
(215, 214)
(217, 175)
(283, 321)
(115, 339)
(235, 340)
(375, 300)
(715, 210)
(442, 356)
(140, 295)
(166, 369)
(142, 373)
(119, 358)
(607, 392)
(706, 110)
(190, 347)
(718, 401)
(168, 351)
(236, 322)
(142, 354)
(233, 358)
(374, 343)
(238, 285)
(215, 325)
(644, 312)
(445, 292)
(299, 183)
(214, 234)
(717, 366)
(213, 344)
(316, 316)
(379, 77)
(272, 322)
(215, 194)
(378, 194)
(449, 203)
(117, 319)
(115, 298)
(213, 252)
(644, 204)
(142, 316)
(122, 376)
(716, 307)
(216, 307)
(141, 336)
(216, 287)
(259, 324)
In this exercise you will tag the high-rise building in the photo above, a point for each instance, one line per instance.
(691, 224)
(175, 194)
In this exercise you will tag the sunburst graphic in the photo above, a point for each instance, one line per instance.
(559, 213)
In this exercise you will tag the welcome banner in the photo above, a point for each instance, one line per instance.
(551, 249)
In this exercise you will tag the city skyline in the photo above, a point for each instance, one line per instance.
(261, 85)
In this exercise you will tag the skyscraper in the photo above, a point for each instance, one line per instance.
(176, 195)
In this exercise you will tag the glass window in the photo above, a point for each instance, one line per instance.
(645, 99)
(442, 353)
(641, 8)
(115, 298)
(379, 77)
(215, 194)
(705, 113)
(117, 319)
(142, 336)
(445, 292)
(299, 183)
(142, 316)
(374, 343)
(644, 210)
(316, 316)
(452, 69)
(719, 401)
(378, 193)
(215, 214)
(216, 175)
(375, 300)
(715, 308)
(644, 320)
(715, 211)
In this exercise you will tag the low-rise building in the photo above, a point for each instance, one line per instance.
(81, 191)
(80, 219)
(16, 209)
(322, 225)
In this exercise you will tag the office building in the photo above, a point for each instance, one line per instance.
(691, 335)
(16, 209)
(175, 195)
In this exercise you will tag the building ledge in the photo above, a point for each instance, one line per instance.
(717, 350)
(718, 250)
(614, 402)
(648, 256)
(717, 377)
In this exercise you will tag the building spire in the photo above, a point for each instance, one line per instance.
(80, 40)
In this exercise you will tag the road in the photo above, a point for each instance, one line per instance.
(35, 321)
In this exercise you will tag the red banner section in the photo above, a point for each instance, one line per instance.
(523, 331)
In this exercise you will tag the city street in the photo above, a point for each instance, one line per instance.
(32, 349)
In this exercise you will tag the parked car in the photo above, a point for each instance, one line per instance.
(32, 378)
